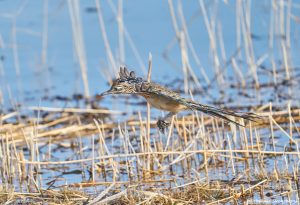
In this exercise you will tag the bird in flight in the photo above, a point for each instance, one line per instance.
(165, 99)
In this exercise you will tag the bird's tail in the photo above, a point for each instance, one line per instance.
(223, 113)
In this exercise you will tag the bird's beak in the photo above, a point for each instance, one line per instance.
(105, 93)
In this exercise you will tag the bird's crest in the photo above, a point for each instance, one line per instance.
(129, 77)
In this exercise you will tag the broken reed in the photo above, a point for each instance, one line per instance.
(196, 147)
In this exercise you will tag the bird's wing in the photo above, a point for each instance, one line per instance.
(163, 91)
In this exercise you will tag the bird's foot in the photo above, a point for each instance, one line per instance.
(162, 125)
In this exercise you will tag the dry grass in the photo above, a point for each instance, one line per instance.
(187, 166)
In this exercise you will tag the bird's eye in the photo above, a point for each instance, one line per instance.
(118, 88)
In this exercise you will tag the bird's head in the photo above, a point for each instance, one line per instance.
(125, 84)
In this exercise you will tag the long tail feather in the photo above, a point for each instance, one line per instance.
(223, 113)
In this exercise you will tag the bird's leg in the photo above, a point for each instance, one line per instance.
(163, 123)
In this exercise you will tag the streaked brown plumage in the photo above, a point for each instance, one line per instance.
(165, 99)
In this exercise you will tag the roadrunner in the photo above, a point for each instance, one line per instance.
(165, 99)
